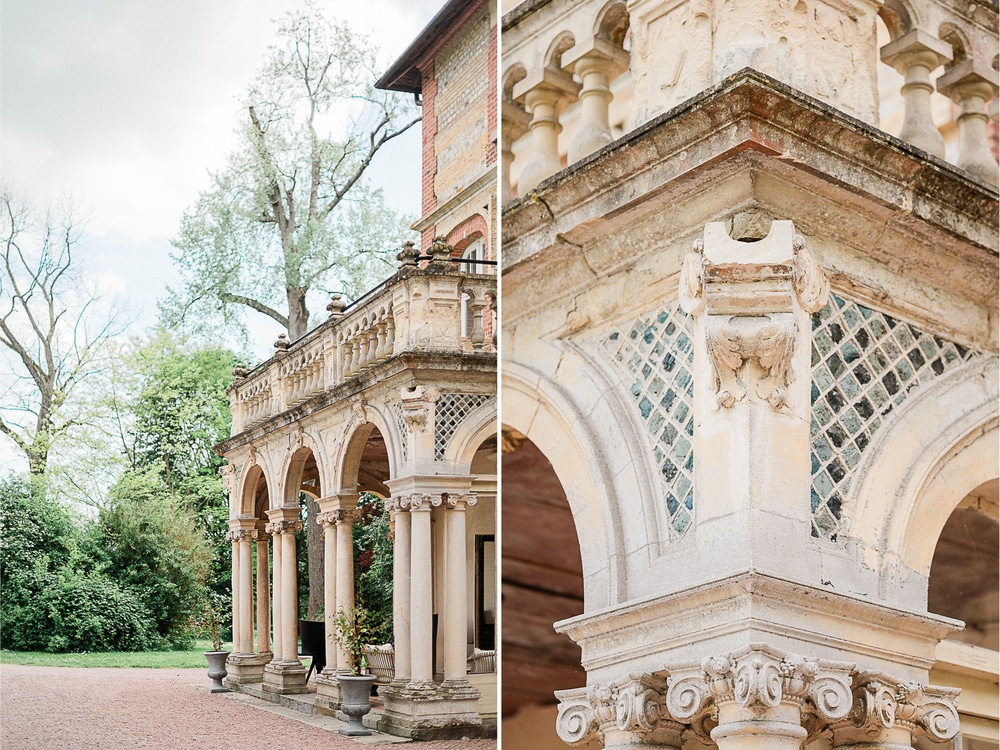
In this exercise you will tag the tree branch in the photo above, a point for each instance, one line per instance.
(260, 307)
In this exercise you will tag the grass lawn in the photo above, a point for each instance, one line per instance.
(150, 659)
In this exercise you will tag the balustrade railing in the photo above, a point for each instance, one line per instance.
(417, 309)
(579, 73)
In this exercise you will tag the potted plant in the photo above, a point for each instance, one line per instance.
(354, 630)
(208, 623)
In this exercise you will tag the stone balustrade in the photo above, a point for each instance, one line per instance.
(416, 310)
(580, 73)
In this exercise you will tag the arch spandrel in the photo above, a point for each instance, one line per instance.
(478, 425)
(910, 484)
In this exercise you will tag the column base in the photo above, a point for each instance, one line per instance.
(328, 694)
(421, 710)
(285, 678)
(246, 668)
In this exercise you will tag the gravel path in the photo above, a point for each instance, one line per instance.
(166, 709)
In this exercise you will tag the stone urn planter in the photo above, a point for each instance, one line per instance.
(356, 701)
(217, 670)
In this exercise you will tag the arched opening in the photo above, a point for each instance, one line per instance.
(303, 489)
(542, 582)
(965, 571)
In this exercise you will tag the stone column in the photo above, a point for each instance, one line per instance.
(914, 55)
(513, 124)
(888, 714)
(595, 61)
(545, 98)
(345, 573)
(289, 594)
(234, 537)
(329, 523)
(246, 592)
(263, 594)
(456, 591)
(970, 86)
(274, 529)
(421, 601)
(401, 589)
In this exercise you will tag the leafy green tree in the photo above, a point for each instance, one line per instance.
(152, 546)
(292, 212)
(373, 565)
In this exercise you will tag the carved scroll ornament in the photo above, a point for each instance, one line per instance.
(881, 702)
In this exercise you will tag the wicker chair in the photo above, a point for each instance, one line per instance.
(381, 662)
(482, 662)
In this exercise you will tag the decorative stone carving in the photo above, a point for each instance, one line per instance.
(327, 519)
(418, 501)
(758, 678)
(746, 294)
(416, 402)
(454, 500)
(881, 703)
(282, 527)
(229, 477)
(631, 704)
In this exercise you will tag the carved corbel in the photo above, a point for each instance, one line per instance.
(747, 299)
(228, 474)
(416, 402)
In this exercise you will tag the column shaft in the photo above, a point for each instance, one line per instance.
(456, 611)
(421, 602)
(289, 599)
(401, 594)
(330, 593)
(276, 599)
(236, 595)
(246, 594)
(345, 577)
(263, 599)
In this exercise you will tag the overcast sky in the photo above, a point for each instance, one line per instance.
(127, 105)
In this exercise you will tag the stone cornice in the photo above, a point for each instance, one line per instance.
(724, 611)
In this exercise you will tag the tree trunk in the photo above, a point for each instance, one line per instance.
(314, 546)
(298, 314)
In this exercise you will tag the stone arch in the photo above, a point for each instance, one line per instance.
(540, 410)
(563, 41)
(304, 444)
(511, 76)
(898, 16)
(612, 22)
(347, 460)
(295, 470)
(958, 40)
(479, 425)
(255, 492)
(353, 477)
(468, 232)
(942, 444)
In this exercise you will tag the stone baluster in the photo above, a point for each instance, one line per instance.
(545, 98)
(596, 62)
(513, 124)
(477, 334)
(390, 336)
(372, 356)
(970, 86)
(914, 55)
(401, 589)
(421, 601)
(274, 529)
(263, 596)
(345, 572)
(346, 359)
(380, 348)
(328, 522)
(456, 583)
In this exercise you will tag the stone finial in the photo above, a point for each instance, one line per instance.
(336, 305)
(440, 250)
(239, 372)
(407, 255)
(282, 343)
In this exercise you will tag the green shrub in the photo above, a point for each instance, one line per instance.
(76, 611)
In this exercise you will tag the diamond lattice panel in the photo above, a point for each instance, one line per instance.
(449, 412)
(655, 359)
(864, 365)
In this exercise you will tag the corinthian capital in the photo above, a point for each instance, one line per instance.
(632, 704)
(881, 702)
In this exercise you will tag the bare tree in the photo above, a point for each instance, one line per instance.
(48, 325)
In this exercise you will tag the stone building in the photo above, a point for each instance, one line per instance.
(749, 373)
(394, 394)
